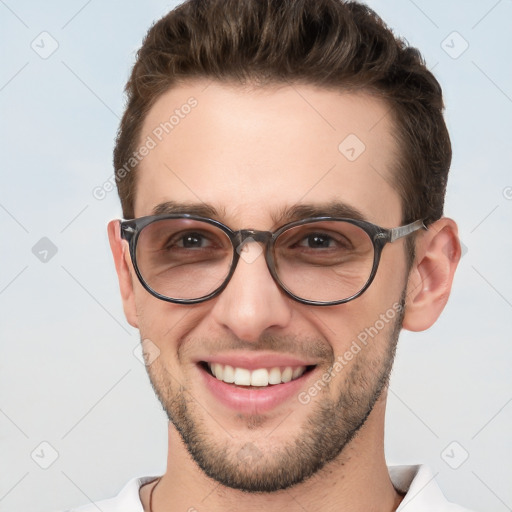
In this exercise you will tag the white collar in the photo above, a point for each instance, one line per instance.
(418, 482)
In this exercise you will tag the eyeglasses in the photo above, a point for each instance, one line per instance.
(320, 261)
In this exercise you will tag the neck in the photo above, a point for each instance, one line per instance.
(357, 480)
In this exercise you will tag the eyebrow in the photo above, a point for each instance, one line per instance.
(307, 210)
(200, 209)
(283, 216)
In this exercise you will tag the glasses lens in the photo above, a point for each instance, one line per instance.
(183, 258)
(324, 261)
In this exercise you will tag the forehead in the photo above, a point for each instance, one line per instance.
(251, 152)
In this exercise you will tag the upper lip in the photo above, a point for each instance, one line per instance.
(252, 361)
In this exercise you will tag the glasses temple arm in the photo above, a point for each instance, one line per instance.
(402, 231)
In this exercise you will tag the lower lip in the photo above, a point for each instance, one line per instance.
(253, 400)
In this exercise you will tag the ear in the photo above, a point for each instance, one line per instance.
(122, 261)
(430, 279)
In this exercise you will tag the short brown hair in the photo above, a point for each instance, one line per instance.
(328, 43)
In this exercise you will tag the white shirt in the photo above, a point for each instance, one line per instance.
(423, 493)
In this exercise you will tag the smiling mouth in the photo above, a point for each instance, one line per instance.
(259, 378)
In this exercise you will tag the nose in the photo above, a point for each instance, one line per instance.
(252, 302)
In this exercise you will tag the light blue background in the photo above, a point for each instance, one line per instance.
(68, 373)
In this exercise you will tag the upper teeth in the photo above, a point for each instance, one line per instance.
(259, 377)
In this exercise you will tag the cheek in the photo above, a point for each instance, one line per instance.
(369, 318)
(159, 321)
(391, 278)
(166, 324)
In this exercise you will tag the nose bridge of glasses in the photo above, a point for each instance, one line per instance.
(246, 236)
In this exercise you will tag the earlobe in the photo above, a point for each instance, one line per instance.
(431, 276)
(121, 256)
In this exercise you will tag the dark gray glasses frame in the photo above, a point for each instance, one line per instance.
(131, 229)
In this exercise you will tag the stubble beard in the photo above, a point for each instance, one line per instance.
(330, 426)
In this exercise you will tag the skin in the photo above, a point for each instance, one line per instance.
(250, 153)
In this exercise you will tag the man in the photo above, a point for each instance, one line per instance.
(282, 168)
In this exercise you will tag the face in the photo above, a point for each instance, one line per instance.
(249, 158)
